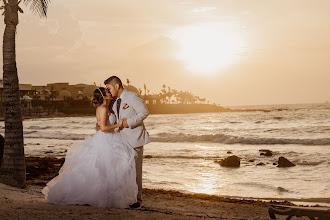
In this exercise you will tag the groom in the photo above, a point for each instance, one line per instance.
(130, 107)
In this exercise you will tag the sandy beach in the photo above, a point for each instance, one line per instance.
(29, 203)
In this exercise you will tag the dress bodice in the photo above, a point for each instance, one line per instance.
(111, 120)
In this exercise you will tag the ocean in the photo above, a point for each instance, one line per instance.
(186, 149)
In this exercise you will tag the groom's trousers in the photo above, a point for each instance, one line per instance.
(138, 165)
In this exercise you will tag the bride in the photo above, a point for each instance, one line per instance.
(99, 171)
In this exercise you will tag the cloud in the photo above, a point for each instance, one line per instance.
(203, 9)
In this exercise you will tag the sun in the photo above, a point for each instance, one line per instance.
(209, 47)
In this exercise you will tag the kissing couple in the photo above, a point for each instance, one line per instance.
(105, 170)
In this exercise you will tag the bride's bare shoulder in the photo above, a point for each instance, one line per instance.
(101, 109)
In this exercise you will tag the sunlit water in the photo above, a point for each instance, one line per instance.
(185, 149)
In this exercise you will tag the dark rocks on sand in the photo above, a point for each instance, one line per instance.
(261, 164)
(147, 156)
(229, 152)
(2, 145)
(232, 161)
(251, 161)
(283, 162)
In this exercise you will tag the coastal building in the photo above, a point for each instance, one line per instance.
(151, 99)
(63, 90)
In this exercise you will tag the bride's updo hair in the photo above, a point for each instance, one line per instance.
(98, 96)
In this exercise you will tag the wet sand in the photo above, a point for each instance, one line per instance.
(29, 203)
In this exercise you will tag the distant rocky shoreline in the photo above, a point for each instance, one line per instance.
(153, 109)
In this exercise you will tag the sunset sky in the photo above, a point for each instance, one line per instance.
(232, 52)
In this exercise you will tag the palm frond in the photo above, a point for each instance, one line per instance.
(38, 6)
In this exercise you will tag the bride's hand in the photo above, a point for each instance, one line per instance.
(120, 123)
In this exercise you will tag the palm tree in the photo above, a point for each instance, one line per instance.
(128, 81)
(12, 170)
(145, 89)
(169, 94)
(140, 91)
(175, 93)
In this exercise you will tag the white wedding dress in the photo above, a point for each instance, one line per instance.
(99, 171)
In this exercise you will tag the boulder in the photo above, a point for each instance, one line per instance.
(283, 162)
(229, 152)
(232, 161)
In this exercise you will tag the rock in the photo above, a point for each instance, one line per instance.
(2, 145)
(283, 162)
(274, 164)
(147, 156)
(261, 164)
(265, 152)
(251, 161)
(229, 152)
(268, 154)
(232, 161)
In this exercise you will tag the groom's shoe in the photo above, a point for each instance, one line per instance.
(136, 205)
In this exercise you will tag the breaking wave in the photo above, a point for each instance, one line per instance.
(228, 139)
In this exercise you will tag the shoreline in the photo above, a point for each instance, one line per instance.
(40, 170)
(63, 115)
(29, 203)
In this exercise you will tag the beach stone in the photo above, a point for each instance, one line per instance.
(265, 152)
(2, 145)
(229, 152)
(148, 156)
(232, 161)
(268, 154)
(283, 162)
(251, 161)
(261, 164)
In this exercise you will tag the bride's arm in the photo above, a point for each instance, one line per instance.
(103, 122)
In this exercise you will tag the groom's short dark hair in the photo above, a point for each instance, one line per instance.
(113, 80)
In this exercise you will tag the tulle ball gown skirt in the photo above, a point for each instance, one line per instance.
(99, 171)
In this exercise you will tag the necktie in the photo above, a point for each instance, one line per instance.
(118, 106)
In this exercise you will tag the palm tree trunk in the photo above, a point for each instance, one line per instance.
(12, 170)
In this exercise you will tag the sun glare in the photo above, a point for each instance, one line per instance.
(207, 48)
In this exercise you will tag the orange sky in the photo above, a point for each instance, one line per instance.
(261, 51)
